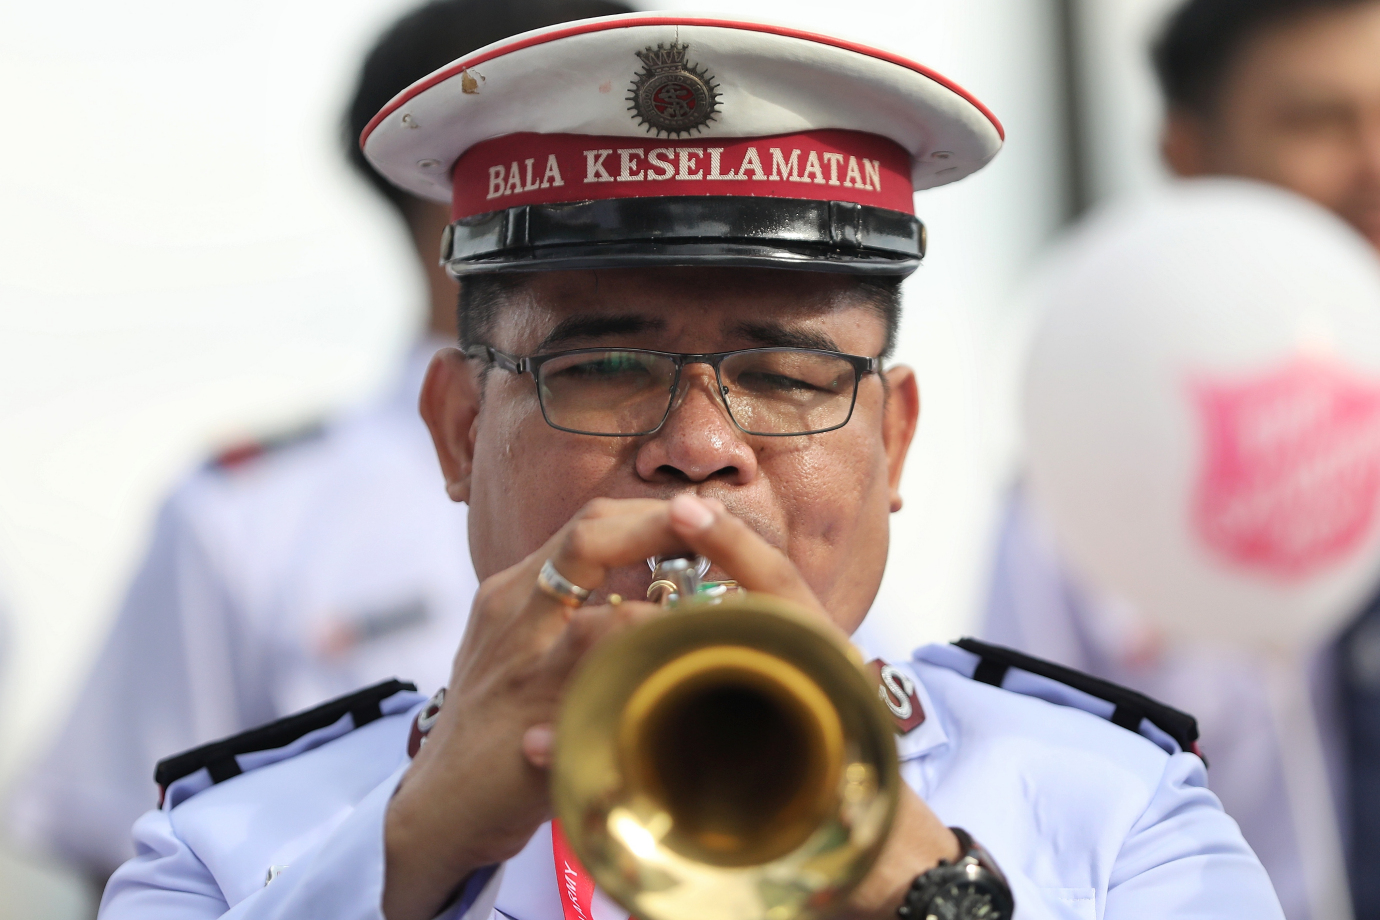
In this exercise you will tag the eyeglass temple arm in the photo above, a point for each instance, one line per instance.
(498, 358)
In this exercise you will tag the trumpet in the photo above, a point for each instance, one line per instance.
(730, 760)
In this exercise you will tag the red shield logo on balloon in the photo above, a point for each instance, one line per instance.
(1291, 466)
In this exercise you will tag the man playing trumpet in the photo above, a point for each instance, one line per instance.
(680, 243)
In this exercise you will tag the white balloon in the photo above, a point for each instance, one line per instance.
(1202, 412)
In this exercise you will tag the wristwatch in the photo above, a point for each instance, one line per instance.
(970, 888)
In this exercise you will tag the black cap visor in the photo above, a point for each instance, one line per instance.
(788, 233)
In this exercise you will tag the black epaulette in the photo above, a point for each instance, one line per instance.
(218, 757)
(1129, 708)
(237, 455)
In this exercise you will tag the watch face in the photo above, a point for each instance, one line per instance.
(969, 899)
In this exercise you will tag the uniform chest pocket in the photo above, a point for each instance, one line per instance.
(1073, 903)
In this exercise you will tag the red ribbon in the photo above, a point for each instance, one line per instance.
(575, 884)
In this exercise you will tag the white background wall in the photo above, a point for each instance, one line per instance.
(185, 259)
(1121, 106)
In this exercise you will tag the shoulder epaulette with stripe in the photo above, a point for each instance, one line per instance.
(237, 455)
(203, 767)
(1009, 669)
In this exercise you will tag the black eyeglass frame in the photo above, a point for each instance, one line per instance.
(531, 364)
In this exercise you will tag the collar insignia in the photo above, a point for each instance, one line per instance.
(897, 691)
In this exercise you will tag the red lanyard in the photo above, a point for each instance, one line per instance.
(576, 885)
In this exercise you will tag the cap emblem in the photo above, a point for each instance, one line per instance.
(669, 94)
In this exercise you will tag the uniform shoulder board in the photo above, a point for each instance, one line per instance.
(237, 455)
(203, 767)
(1166, 726)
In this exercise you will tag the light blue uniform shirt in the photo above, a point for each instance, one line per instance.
(1036, 604)
(269, 585)
(1087, 820)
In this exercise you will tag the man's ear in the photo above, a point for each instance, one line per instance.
(1184, 143)
(900, 416)
(450, 407)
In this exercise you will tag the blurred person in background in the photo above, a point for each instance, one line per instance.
(1285, 92)
(5, 635)
(291, 570)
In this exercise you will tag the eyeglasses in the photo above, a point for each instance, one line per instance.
(627, 392)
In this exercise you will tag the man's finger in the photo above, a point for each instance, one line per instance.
(755, 564)
(538, 742)
(606, 534)
(586, 628)
(591, 546)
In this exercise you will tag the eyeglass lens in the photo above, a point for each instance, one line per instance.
(769, 391)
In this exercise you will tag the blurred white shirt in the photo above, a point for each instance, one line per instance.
(274, 580)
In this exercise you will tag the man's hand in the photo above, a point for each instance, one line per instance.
(473, 796)
(918, 841)
(477, 790)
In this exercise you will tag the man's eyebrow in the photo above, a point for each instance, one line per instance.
(773, 335)
(575, 328)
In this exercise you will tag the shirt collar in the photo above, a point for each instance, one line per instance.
(929, 736)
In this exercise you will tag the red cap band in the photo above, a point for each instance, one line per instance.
(827, 165)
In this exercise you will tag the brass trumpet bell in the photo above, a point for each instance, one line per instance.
(726, 761)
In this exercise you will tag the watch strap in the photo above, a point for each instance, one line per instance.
(977, 853)
(974, 865)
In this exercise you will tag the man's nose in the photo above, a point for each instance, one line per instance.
(698, 441)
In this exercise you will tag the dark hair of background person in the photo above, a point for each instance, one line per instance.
(429, 38)
(1200, 41)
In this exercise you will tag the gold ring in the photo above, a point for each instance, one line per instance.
(559, 588)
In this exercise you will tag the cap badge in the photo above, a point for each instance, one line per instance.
(670, 95)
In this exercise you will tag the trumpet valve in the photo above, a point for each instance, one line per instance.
(673, 580)
(662, 592)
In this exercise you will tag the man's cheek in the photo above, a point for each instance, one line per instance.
(824, 523)
(558, 479)
(512, 467)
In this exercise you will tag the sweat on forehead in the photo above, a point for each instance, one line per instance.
(565, 309)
